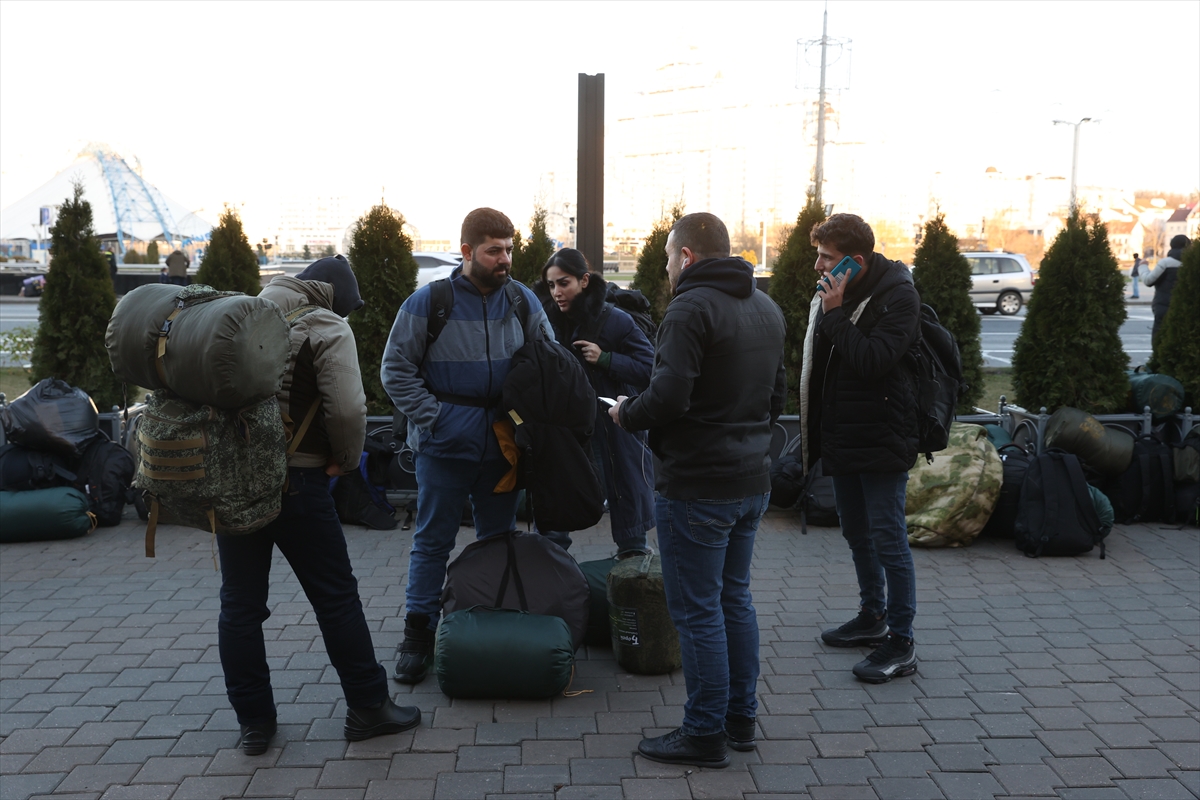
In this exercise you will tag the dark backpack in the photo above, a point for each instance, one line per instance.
(1002, 523)
(24, 469)
(1055, 514)
(359, 500)
(552, 406)
(441, 302)
(105, 475)
(1145, 491)
(635, 304)
(937, 367)
(816, 503)
(787, 480)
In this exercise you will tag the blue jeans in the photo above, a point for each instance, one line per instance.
(706, 548)
(871, 507)
(443, 487)
(310, 537)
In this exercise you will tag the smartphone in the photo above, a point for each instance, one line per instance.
(607, 400)
(847, 266)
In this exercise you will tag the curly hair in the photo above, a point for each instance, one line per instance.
(483, 223)
(847, 233)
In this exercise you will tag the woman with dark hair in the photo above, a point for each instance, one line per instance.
(617, 357)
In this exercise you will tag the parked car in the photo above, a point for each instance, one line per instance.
(1000, 281)
(432, 266)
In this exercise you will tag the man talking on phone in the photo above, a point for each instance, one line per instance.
(716, 389)
(858, 414)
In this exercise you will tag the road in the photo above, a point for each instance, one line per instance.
(997, 335)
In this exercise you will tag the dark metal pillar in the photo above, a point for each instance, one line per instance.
(589, 212)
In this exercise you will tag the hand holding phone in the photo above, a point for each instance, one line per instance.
(607, 400)
(847, 266)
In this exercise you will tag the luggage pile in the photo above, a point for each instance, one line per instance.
(60, 477)
(211, 446)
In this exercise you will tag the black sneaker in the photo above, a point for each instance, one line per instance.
(677, 747)
(415, 654)
(863, 630)
(739, 731)
(894, 658)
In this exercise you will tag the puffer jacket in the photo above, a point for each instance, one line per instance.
(1163, 278)
(323, 364)
(469, 359)
(628, 469)
(717, 386)
(858, 409)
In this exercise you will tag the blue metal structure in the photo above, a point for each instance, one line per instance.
(133, 199)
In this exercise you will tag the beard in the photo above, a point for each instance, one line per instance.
(492, 278)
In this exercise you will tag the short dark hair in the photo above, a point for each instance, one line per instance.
(702, 233)
(847, 233)
(570, 261)
(484, 223)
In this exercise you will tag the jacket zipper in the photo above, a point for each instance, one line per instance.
(487, 346)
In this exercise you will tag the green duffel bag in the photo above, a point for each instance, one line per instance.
(42, 515)
(1162, 393)
(503, 654)
(598, 632)
(222, 349)
(644, 639)
(1106, 450)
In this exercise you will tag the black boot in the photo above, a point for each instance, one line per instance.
(416, 651)
(254, 739)
(677, 747)
(385, 718)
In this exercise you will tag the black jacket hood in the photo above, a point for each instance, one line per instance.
(734, 276)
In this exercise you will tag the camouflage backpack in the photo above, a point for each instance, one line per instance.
(219, 470)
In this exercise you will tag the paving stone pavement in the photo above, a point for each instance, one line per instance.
(1070, 678)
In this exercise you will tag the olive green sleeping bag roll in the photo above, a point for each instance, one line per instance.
(1162, 393)
(222, 349)
(598, 631)
(1105, 450)
(644, 639)
(42, 515)
(502, 654)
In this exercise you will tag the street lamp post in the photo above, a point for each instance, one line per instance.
(1074, 153)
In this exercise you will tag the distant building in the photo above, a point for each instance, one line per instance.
(315, 221)
(1185, 220)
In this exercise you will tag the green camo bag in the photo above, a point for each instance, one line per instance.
(503, 653)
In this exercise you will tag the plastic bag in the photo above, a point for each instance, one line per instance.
(53, 416)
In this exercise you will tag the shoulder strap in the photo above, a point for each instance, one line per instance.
(292, 317)
(520, 305)
(510, 568)
(441, 301)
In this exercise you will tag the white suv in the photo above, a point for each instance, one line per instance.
(432, 266)
(1000, 281)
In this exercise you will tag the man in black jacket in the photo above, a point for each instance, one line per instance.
(858, 415)
(716, 389)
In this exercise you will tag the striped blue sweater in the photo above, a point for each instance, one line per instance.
(470, 358)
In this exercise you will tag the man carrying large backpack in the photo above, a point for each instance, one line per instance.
(859, 415)
(322, 376)
(444, 367)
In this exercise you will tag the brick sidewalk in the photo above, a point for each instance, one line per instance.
(1073, 678)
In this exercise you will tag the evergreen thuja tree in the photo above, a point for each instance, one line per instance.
(793, 283)
(651, 275)
(229, 261)
(1069, 350)
(533, 253)
(381, 257)
(1177, 352)
(75, 308)
(152, 252)
(943, 279)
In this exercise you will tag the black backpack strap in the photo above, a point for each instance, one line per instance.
(441, 301)
(520, 306)
(510, 568)
(1049, 508)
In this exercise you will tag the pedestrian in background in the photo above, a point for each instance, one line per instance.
(177, 267)
(617, 358)
(1163, 278)
(1134, 271)
(716, 390)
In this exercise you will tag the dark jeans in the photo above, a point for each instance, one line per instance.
(310, 537)
(706, 547)
(871, 507)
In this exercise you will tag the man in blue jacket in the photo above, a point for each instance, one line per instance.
(449, 390)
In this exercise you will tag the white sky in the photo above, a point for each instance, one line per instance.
(453, 105)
